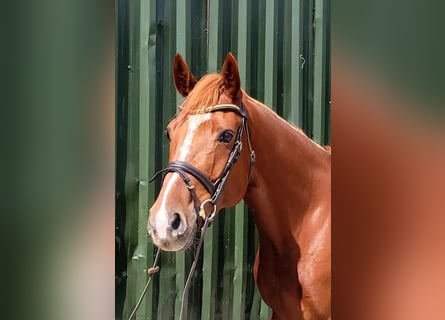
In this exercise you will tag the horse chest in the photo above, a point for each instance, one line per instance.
(277, 279)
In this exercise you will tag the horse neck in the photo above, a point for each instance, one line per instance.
(288, 178)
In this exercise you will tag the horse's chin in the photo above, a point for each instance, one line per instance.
(177, 243)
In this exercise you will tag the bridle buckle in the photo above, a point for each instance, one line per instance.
(202, 212)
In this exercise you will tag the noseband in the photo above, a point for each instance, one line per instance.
(184, 169)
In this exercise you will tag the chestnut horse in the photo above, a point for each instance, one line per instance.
(283, 176)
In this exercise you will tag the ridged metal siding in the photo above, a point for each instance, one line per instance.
(282, 48)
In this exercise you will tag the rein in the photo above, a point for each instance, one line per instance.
(183, 169)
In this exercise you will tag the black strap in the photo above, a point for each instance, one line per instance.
(229, 107)
(179, 170)
(177, 166)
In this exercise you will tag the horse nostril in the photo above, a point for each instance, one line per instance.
(176, 222)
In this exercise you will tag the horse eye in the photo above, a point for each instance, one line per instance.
(226, 136)
(168, 135)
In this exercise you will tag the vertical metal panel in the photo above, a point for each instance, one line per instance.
(147, 126)
(270, 55)
(292, 73)
(214, 41)
(121, 76)
(210, 272)
(136, 261)
(183, 37)
(258, 43)
(267, 38)
(319, 71)
(306, 65)
(226, 281)
(140, 141)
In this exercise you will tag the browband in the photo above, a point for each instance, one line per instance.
(221, 107)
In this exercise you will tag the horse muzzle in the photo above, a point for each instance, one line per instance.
(171, 232)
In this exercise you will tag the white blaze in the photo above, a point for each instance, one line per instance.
(194, 122)
(162, 218)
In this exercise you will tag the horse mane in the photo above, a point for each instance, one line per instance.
(206, 92)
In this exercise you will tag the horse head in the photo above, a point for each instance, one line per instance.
(208, 168)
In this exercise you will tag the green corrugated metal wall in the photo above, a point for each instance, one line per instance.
(282, 49)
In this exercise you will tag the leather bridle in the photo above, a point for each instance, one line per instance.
(184, 169)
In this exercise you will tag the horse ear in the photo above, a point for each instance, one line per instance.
(183, 78)
(230, 75)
